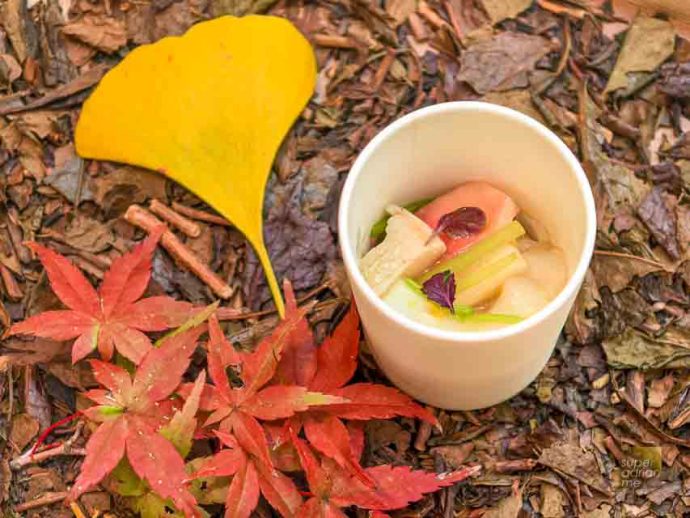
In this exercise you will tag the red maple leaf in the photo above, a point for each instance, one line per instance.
(394, 487)
(131, 413)
(112, 317)
(327, 369)
(238, 400)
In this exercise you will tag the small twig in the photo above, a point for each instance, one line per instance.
(63, 449)
(200, 215)
(234, 314)
(12, 289)
(77, 510)
(142, 218)
(334, 41)
(46, 499)
(183, 224)
(631, 257)
(382, 71)
(430, 15)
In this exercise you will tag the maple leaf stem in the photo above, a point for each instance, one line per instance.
(51, 428)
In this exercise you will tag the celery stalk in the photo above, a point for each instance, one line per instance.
(457, 264)
(474, 278)
(378, 230)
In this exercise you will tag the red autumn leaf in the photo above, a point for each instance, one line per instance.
(331, 437)
(394, 487)
(112, 318)
(337, 355)
(336, 363)
(243, 494)
(239, 409)
(298, 364)
(133, 412)
(371, 401)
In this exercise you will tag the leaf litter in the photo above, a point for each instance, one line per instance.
(616, 93)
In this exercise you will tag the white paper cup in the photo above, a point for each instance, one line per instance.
(424, 154)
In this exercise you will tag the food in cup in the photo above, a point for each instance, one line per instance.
(464, 260)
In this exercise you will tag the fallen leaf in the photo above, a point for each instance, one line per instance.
(509, 507)
(87, 234)
(648, 43)
(102, 32)
(502, 62)
(575, 462)
(116, 190)
(240, 7)
(112, 318)
(189, 144)
(66, 182)
(399, 10)
(659, 391)
(518, 99)
(24, 429)
(499, 10)
(10, 70)
(635, 350)
(675, 80)
(130, 411)
(620, 185)
(657, 211)
(299, 246)
(551, 501)
(15, 17)
(617, 272)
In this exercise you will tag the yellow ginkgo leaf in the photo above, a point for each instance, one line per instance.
(208, 109)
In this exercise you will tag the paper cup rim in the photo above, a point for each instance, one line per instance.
(490, 335)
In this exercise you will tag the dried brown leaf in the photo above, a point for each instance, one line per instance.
(101, 32)
(635, 350)
(657, 212)
(499, 10)
(575, 462)
(502, 62)
(648, 43)
(24, 429)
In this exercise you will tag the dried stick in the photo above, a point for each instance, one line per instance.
(64, 449)
(142, 218)
(47, 499)
(334, 41)
(237, 314)
(12, 289)
(200, 215)
(184, 225)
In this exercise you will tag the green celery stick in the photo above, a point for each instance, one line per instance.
(457, 264)
(379, 229)
(489, 318)
(474, 278)
(461, 310)
(413, 284)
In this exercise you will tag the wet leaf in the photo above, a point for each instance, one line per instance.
(648, 43)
